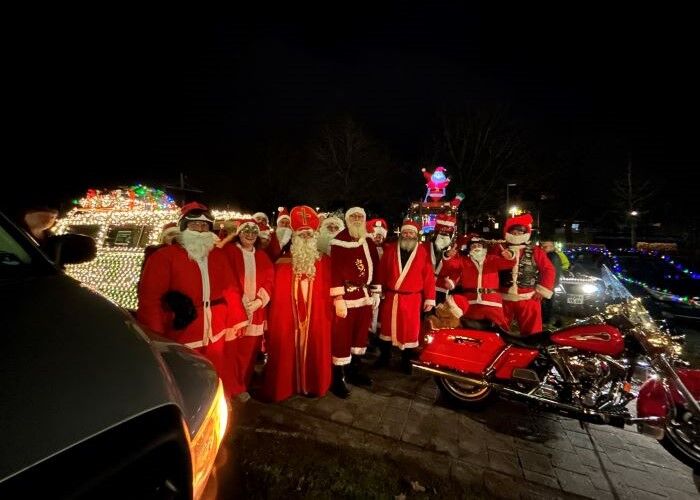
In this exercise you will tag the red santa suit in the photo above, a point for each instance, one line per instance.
(212, 287)
(255, 275)
(531, 272)
(298, 339)
(353, 277)
(479, 280)
(375, 228)
(406, 289)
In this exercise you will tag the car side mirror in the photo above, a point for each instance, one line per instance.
(70, 249)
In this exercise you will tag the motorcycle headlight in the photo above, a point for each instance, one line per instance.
(205, 444)
(589, 289)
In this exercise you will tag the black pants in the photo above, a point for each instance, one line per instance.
(546, 310)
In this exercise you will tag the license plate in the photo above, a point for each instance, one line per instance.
(574, 299)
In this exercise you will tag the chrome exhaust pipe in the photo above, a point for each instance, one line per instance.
(442, 372)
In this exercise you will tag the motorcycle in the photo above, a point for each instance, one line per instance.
(591, 371)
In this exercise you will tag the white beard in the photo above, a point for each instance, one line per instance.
(517, 239)
(407, 245)
(284, 234)
(304, 255)
(198, 245)
(357, 230)
(478, 254)
(442, 241)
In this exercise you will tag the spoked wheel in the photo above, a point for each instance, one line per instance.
(682, 438)
(464, 394)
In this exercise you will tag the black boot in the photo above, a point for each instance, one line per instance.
(338, 386)
(355, 373)
(406, 357)
(384, 354)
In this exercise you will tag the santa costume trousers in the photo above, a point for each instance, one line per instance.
(214, 352)
(527, 313)
(350, 334)
(240, 355)
(491, 313)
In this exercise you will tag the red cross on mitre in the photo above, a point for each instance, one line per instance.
(304, 217)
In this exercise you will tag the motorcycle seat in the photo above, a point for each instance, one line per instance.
(533, 341)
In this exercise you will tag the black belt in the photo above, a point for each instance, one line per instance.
(215, 302)
(402, 292)
(480, 290)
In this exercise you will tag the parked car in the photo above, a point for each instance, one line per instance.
(579, 295)
(94, 405)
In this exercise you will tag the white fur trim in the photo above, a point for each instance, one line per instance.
(411, 227)
(370, 265)
(447, 223)
(260, 214)
(347, 244)
(254, 330)
(375, 288)
(337, 291)
(517, 296)
(443, 290)
(342, 361)
(264, 296)
(358, 351)
(232, 333)
(486, 303)
(545, 292)
(384, 337)
(454, 308)
(364, 301)
(409, 345)
(379, 230)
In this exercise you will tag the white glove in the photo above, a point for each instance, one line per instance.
(341, 309)
(252, 306)
(376, 299)
(449, 284)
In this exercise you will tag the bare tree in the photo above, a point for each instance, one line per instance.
(632, 199)
(480, 148)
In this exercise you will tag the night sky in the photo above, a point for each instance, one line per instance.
(109, 98)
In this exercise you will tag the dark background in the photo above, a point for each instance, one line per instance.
(107, 98)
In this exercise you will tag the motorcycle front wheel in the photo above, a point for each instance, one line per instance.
(682, 438)
(463, 394)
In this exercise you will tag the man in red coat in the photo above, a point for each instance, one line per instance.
(478, 273)
(530, 278)
(298, 338)
(255, 275)
(355, 291)
(408, 281)
(188, 291)
(439, 245)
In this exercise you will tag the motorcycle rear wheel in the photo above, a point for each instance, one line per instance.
(463, 394)
(682, 439)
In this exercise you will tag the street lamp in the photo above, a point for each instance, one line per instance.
(508, 186)
(634, 213)
(633, 224)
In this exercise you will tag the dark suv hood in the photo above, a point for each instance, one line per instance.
(71, 366)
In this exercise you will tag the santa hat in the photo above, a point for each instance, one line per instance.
(264, 230)
(332, 219)
(282, 213)
(445, 223)
(170, 228)
(247, 223)
(524, 220)
(409, 224)
(354, 210)
(377, 226)
(258, 215)
(304, 217)
(195, 212)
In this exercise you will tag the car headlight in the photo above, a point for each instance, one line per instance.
(206, 442)
(588, 288)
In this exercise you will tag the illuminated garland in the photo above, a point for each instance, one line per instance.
(660, 293)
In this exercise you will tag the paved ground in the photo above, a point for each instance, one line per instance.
(397, 441)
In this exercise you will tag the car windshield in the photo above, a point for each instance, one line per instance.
(17, 255)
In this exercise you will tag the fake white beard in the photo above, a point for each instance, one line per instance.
(407, 245)
(305, 254)
(357, 230)
(284, 234)
(198, 245)
(478, 254)
(442, 241)
(517, 239)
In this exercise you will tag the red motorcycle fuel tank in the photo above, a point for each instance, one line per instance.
(462, 350)
(600, 339)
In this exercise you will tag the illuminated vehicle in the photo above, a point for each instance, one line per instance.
(93, 405)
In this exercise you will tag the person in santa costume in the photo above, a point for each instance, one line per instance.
(441, 242)
(298, 338)
(530, 278)
(166, 237)
(377, 230)
(355, 291)
(477, 271)
(255, 275)
(189, 293)
(407, 278)
(330, 227)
